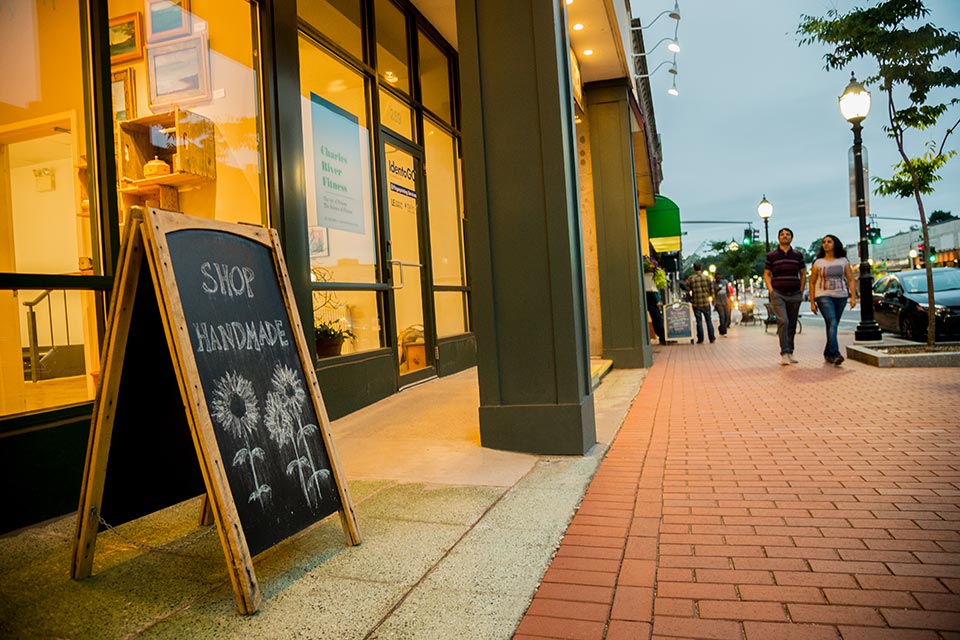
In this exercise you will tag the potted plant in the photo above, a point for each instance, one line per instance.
(653, 276)
(330, 335)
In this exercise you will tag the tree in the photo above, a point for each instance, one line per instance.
(939, 216)
(907, 72)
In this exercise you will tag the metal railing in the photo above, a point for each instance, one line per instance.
(34, 343)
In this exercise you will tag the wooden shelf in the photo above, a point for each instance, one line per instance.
(148, 185)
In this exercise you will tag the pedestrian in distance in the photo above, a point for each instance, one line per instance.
(831, 285)
(785, 274)
(701, 289)
(721, 302)
(655, 309)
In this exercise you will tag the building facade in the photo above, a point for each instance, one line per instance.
(453, 185)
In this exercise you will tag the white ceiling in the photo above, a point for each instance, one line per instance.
(40, 150)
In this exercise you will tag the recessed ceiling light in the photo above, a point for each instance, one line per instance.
(578, 27)
(569, 1)
(588, 52)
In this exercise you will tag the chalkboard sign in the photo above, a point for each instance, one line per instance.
(246, 381)
(678, 321)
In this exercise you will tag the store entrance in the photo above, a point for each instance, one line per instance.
(412, 320)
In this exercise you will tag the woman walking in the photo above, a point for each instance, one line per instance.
(831, 284)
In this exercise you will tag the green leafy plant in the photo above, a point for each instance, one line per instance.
(659, 275)
(333, 330)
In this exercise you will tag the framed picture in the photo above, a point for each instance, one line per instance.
(167, 19)
(123, 90)
(319, 242)
(126, 38)
(179, 71)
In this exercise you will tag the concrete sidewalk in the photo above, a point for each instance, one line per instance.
(455, 539)
(745, 499)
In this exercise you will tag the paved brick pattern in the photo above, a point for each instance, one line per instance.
(745, 499)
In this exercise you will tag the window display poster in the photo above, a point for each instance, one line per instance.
(337, 170)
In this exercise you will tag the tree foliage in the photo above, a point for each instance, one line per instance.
(939, 216)
(908, 70)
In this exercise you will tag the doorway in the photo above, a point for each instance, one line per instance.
(411, 299)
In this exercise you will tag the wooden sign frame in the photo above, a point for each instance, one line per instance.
(146, 241)
(681, 310)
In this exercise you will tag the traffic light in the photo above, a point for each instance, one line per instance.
(921, 252)
(932, 255)
(756, 235)
(877, 236)
(747, 236)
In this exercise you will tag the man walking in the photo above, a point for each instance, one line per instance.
(721, 302)
(700, 286)
(785, 275)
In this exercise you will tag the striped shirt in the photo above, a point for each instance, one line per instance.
(785, 268)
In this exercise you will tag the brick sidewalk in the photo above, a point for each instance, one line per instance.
(744, 499)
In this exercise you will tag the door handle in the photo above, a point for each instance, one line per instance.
(402, 265)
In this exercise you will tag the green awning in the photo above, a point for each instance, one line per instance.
(663, 225)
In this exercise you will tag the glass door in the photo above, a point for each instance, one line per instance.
(406, 251)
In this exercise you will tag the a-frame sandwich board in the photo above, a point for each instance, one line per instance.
(242, 385)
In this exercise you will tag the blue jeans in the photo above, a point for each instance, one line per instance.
(831, 309)
(704, 313)
(787, 308)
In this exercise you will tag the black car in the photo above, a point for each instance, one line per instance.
(900, 302)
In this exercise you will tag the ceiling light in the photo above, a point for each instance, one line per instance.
(578, 27)
(391, 77)
(588, 52)
(569, 1)
(674, 46)
(673, 90)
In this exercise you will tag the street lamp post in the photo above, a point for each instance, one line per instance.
(765, 210)
(855, 105)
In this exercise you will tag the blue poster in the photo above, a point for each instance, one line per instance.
(336, 166)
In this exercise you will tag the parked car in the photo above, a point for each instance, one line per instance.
(900, 302)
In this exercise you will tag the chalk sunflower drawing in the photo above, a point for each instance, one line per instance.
(235, 408)
(284, 420)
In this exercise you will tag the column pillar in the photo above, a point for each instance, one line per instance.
(522, 209)
(622, 303)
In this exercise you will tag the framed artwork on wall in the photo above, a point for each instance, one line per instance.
(179, 71)
(123, 90)
(126, 38)
(319, 242)
(167, 19)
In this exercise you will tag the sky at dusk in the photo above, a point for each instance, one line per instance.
(757, 114)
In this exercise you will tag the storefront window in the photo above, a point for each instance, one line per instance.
(49, 222)
(354, 311)
(342, 227)
(442, 180)
(338, 20)
(451, 309)
(446, 238)
(392, 60)
(396, 115)
(185, 101)
(46, 221)
(434, 78)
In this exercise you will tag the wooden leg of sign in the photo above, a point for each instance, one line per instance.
(206, 511)
(98, 447)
